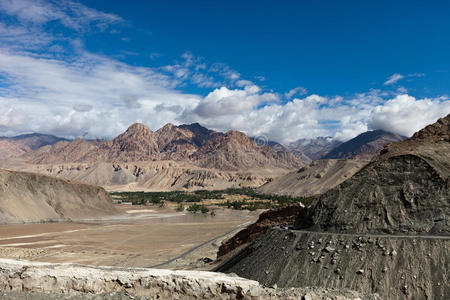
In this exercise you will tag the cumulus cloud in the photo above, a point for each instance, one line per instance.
(393, 79)
(224, 101)
(405, 114)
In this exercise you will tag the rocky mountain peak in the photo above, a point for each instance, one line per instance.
(238, 137)
(137, 143)
(137, 129)
(440, 129)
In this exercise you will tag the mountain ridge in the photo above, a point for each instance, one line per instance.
(193, 143)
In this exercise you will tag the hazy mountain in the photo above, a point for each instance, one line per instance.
(308, 150)
(366, 145)
(18, 145)
(36, 140)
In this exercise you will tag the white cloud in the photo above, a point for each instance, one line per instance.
(43, 92)
(224, 102)
(70, 14)
(405, 114)
(297, 91)
(393, 79)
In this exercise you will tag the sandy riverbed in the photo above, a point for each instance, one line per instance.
(140, 237)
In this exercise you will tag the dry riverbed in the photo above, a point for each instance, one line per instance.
(147, 236)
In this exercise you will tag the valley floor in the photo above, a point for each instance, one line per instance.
(143, 236)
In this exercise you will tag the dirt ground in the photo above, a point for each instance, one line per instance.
(140, 237)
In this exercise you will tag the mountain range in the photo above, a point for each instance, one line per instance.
(190, 157)
(192, 143)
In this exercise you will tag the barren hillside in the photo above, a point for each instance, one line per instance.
(315, 179)
(154, 175)
(27, 197)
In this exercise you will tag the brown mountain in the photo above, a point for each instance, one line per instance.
(190, 143)
(366, 145)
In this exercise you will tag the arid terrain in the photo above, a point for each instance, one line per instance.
(137, 237)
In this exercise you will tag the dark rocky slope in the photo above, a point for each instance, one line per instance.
(393, 267)
(275, 217)
(385, 230)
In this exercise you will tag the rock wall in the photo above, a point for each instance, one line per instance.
(22, 276)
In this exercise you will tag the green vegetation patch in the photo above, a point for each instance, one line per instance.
(255, 201)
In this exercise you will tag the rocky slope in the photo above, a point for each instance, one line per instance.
(394, 267)
(284, 216)
(28, 197)
(9, 149)
(365, 146)
(315, 179)
(188, 143)
(84, 282)
(385, 230)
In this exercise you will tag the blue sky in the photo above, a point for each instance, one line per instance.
(280, 69)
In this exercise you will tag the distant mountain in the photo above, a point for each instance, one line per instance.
(308, 150)
(366, 145)
(192, 143)
(36, 140)
(21, 144)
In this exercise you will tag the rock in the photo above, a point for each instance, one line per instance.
(329, 249)
(360, 271)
